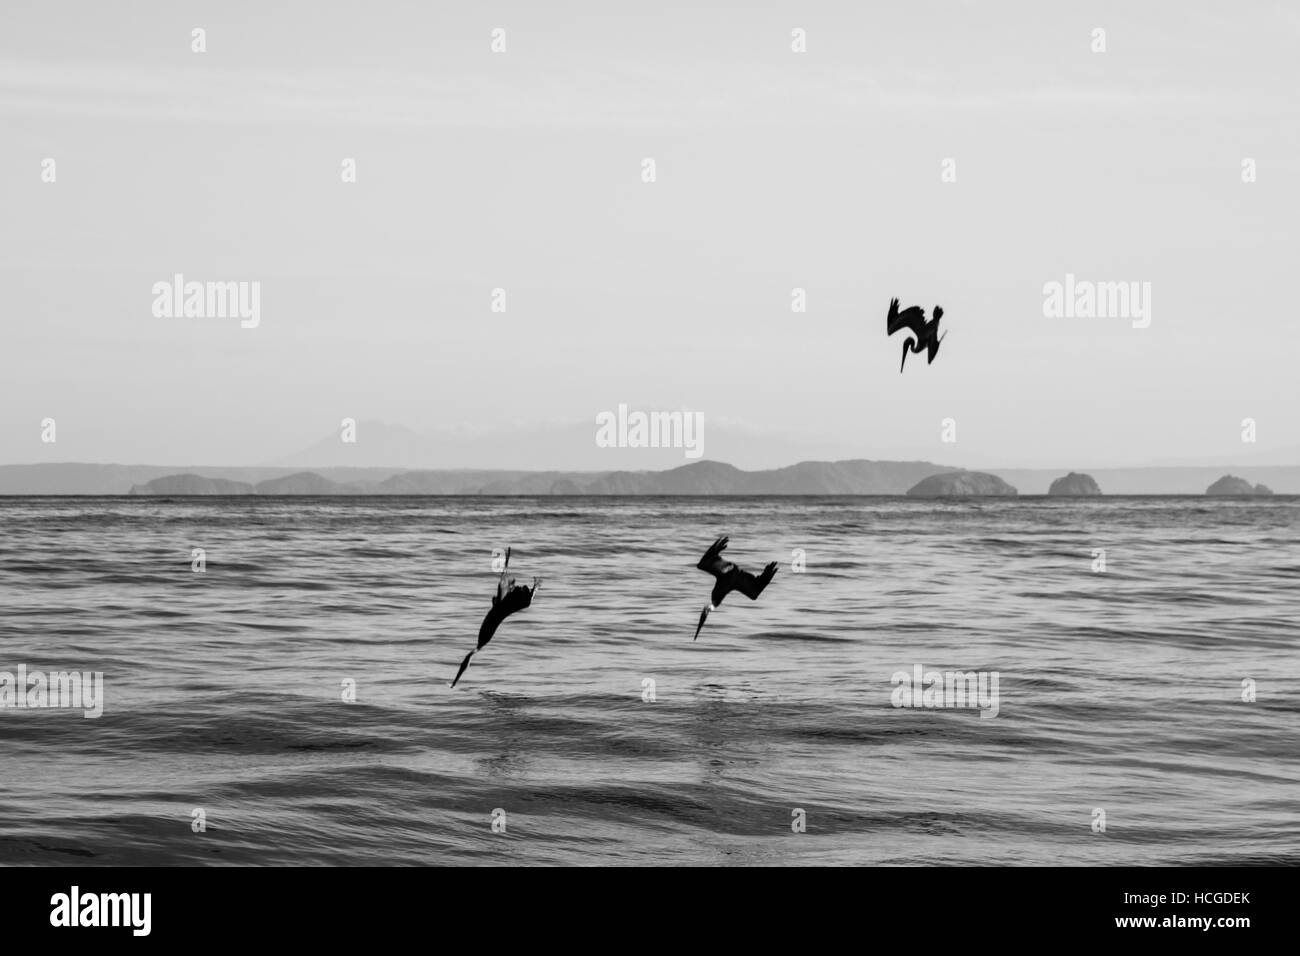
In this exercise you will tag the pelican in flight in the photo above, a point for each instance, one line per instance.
(927, 338)
(510, 597)
(730, 578)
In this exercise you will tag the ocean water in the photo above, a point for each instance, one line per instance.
(223, 690)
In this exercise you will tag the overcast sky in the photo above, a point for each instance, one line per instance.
(522, 170)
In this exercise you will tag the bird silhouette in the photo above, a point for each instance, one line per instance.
(913, 319)
(510, 597)
(730, 578)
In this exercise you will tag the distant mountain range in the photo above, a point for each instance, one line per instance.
(699, 478)
(856, 477)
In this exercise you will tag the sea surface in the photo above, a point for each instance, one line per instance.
(1119, 691)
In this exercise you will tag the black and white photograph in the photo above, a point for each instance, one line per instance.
(573, 434)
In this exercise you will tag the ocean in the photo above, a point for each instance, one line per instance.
(1147, 713)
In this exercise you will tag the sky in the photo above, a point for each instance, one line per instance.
(774, 170)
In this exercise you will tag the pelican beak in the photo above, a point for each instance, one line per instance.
(703, 617)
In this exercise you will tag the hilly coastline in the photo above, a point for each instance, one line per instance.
(697, 478)
(707, 477)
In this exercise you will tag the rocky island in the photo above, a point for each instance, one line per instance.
(1230, 485)
(192, 485)
(960, 484)
(1074, 485)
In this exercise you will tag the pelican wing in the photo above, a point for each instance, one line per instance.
(751, 585)
(911, 318)
(518, 597)
(713, 561)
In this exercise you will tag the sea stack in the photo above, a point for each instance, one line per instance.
(1232, 486)
(962, 484)
(1074, 485)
